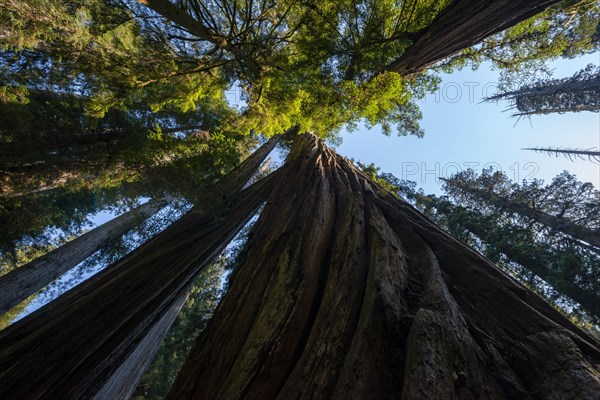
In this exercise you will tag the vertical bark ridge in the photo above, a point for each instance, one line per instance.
(118, 307)
(510, 324)
(286, 299)
(384, 342)
(331, 335)
(402, 310)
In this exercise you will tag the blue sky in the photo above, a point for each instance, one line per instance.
(460, 132)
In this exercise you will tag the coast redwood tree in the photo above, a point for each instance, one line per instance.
(346, 292)
(462, 24)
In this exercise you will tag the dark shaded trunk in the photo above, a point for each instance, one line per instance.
(463, 24)
(346, 292)
(126, 378)
(26, 280)
(76, 346)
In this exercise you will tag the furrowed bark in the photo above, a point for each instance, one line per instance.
(24, 281)
(87, 335)
(462, 24)
(346, 292)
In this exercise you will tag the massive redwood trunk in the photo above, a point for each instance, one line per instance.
(462, 24)
(93, 341)
(26, 280)
(345, 292)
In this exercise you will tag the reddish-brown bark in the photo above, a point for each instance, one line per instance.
(346, 292)
(462, 24)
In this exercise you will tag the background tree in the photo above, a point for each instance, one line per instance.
(566, 29)
(577, 93)
(564, 207)
(529, 252)
(571, 154)
(123, 342)
(301, 65)
(24, 281)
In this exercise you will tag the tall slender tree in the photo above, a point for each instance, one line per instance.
(569, 269)
(515, 244)
(192, 319)
(24, 281)
(571, 154)
(581, 92)
(462, 24)
(382, 293)
(576, 216)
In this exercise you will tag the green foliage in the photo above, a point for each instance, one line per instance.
(38, 222)
(100, 50)
(317, 66)
(569, 265)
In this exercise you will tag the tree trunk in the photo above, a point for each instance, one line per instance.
(346, 292)
(75, 347)
(571, 154)
(463, 24)
(24, 281)
(560, 110)
(126, 378)
(551, 89)
(180, 17)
